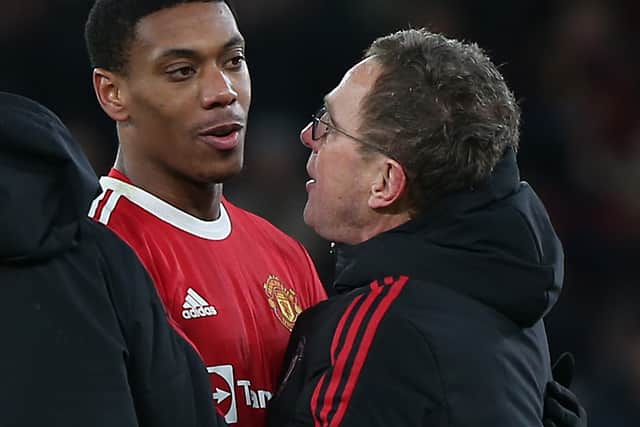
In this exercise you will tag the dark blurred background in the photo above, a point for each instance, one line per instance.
(574, 67)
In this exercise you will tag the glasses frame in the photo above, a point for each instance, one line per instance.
(317, 119)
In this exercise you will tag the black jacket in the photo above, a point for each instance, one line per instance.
(85, 340)
(436, 322)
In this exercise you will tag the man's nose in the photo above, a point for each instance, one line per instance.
(306, 137)
(217, 90)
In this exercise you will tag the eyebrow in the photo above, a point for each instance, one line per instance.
(234, 41)
(178, 53)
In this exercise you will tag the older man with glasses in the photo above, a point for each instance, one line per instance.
(446, 261)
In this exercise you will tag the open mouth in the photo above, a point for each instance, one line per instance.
(222, 131)
(309, 184)
(222, 137)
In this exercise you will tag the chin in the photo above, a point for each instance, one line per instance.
(223, 171)
(219, 177)
(314, 225)
(231, 172)
(306, 215)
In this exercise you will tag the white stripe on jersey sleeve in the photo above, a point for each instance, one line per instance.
(109, 207)
(95, 203)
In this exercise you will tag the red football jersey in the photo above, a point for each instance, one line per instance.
(234, 286)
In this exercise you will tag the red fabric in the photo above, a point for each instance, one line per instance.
(243, 343)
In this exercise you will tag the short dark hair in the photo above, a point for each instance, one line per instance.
(442, 109)
(111, 27)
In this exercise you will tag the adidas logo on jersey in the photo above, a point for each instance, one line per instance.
(195, 306)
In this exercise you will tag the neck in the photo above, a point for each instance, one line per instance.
(383, 224)
(201, 200)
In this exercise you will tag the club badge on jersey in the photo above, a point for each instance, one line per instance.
(283, 301)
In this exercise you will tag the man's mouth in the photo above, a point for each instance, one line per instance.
(222, 137)
(310, 183)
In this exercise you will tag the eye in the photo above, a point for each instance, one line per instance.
(181, 73)
(236, 62)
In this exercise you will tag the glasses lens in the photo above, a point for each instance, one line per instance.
(319, 129)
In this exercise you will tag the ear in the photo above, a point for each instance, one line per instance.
(389, 185)
(107, 87)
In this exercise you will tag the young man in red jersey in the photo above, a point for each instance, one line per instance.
(172, 74)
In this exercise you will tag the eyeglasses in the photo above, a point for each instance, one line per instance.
(320, 127)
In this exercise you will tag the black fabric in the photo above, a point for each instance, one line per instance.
(463, 344)
(495, 244)
(47, 182)
(86, 340)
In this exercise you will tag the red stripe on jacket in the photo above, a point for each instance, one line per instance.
(334, 344)
(361, 350)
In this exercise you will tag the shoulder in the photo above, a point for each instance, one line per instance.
(250, 219)
(364, 310)
(117, 261)
(399, 309)
(112, 204)
(261, 229)
(372, 348)
(123, 217)
(114, 249)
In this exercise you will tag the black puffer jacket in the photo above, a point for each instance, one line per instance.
(436, 323)
(85, 339)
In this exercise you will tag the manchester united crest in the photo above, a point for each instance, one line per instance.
(283, 301)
